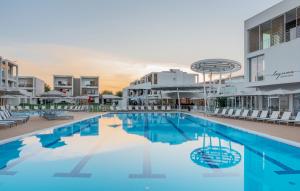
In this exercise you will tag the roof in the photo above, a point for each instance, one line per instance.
(216, 66)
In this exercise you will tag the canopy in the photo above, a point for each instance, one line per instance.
(216, 66)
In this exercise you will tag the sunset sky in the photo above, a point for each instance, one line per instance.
(121, 40)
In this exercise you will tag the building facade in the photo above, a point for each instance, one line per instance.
(153, 87)
(272, 59)
(64, 84)
(84, 87)
(33, 86)
(9, 74)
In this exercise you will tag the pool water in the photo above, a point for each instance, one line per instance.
(148, 151)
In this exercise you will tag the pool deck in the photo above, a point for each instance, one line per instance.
(291, 133)
(37, 123)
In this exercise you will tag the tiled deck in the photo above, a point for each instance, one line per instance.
(291, 132)
(37, 123)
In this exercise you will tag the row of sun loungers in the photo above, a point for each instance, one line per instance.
(142, 108)
(257, 115)
(7, 119)
(52, 107)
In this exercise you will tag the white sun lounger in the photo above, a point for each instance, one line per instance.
(35, 107)
(142, 108)
(52, 107)
(229, 114)
(237, 113)
(163, 107)
(149, 107)
(155, 108)
(216, 112)
(168, 107)
(43, 107)
(19, 108)
(12, 108)
(285, 116)
(254, 115)
(224, 111)
(295, 121)
(263, 116)
(130, 108)
(274, 116)
(244, 114)
(59, 107)
(26, 107)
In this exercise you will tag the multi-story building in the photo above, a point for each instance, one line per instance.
(272, 59)
(153, 86)
(64, 84)
(85, 86)
(9, 74)
(89, 86)
(33, 86)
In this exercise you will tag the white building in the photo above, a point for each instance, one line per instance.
(33, 85)
(89, 86)
(9, 74)
(272, 56)
(83, 88)
(154, 86)
(64, 84)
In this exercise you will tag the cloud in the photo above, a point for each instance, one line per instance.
(44, 60)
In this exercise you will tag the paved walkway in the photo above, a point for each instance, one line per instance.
(282, 131)
(38, 123)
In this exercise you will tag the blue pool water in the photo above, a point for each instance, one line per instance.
(148, 151)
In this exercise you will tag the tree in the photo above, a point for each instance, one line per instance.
(119, 93)
(47, 87)
(107, 92)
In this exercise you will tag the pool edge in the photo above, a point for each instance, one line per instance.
(48, 128)
(264, 135)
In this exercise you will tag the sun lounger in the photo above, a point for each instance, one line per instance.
(26, 108)
(295, 121)
(142, 108)
(59, 107)
(43, 107)
(254, 115)
(168, 107)
(163, 107)
(19, 108)
(4, 123)
(52, 107)
(244, 114)
(149, 108)
(237, 113)
(35, 107)
(216, 112)
(285, 116)
(223, 113)
(155, 108)
(274, 117)
(17, 120)
(112, 108)
(12, 108)
(263, 116)
(229, 114)
(130, 108)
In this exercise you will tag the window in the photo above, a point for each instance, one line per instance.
(296, 103)
(155, 78)
(277, 31)
(290, 25)
(256, 69)
(265, 35)
(254, 39)
(298, 22)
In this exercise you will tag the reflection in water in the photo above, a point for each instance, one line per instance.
(147, 168)
(10, 151)
(53, 140)
(164, 128)
(215, 156)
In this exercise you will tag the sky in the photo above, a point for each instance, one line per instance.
(121, 40)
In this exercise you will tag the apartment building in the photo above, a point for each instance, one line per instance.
(64, 84)
(84, 86)
(33, 87)
(9, 74)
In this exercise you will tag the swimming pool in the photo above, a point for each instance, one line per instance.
(148, 151)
